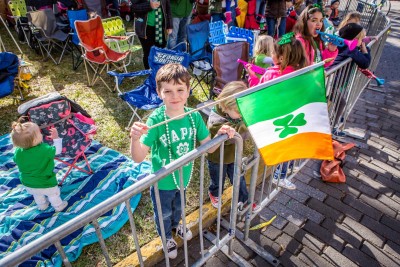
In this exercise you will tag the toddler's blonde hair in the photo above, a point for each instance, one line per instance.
(264, 45)
(25, 135)
(230, 89)
(354, 15)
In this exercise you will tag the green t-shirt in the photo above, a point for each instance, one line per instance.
(259, 61)
(262, 61)
(181, 8)
(151, 18)
(180, 139)
(36, 166)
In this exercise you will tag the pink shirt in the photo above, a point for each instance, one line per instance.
(271, 73)
(310, 52)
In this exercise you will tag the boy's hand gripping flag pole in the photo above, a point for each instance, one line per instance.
(288, 116)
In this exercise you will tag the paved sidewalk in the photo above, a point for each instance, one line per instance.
(352, 224)
(357, 223)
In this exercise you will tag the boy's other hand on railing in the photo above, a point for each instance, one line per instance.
(225, 129)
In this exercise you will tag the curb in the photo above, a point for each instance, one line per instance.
(152, 252)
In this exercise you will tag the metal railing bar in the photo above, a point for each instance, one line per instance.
(134, 234)
(161, 223)
(183, 204)
(101, 241)
(202, 161)
(62, 253)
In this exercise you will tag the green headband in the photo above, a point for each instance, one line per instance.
(286, 38)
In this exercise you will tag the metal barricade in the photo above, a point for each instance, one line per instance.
(91, 216)
(344, 84)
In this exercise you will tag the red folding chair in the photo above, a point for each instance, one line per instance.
(95, 52)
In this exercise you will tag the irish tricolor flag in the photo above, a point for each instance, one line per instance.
(288, 117)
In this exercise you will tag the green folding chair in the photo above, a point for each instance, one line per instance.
(117, 38)
(18, 11)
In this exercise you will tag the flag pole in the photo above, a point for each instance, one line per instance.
(245, 92)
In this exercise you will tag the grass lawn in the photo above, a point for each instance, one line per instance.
(112, 116)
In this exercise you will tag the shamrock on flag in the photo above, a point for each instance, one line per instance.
(288, 117)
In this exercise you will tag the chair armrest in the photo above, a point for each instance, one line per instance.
(121, 76)
(116, 37)
(90, 49)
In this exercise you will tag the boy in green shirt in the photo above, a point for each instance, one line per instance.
(169, 142)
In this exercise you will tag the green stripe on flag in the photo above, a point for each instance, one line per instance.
(283, 98)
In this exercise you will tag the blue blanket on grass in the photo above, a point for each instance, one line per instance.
(21, 221)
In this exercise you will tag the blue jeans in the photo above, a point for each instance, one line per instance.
(171, 210)
(282, 173)
(213, 168)
(271, 22)
(178, 34)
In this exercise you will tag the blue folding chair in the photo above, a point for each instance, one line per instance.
(74, 15)
(145, 96)
(200, 54)
(8, 71)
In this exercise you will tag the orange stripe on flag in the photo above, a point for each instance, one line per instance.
(300, 146)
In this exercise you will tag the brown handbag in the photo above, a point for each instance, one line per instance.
(331, 170)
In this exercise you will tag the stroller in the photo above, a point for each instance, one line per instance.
(8, 72)
(73, 123)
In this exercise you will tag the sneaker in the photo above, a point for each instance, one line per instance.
(214, 200)
(254, 208)
(179, 232)
(44, 206)
(338, 133)
(285, 183)
(317, 174)
(172, 250)
(240, 206)
(278, 172)
(63, 205)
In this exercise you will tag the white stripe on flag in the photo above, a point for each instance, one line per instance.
(316, 115)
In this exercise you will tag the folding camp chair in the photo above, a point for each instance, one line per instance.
(18, 13)
(72, 122)
(226, 67)
(200, 54)
(145, 96)
(117, 38)
(47, 33)
(74, 15)
(96, 54)
(61, 18)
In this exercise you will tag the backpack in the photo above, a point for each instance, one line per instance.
(331, 170)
